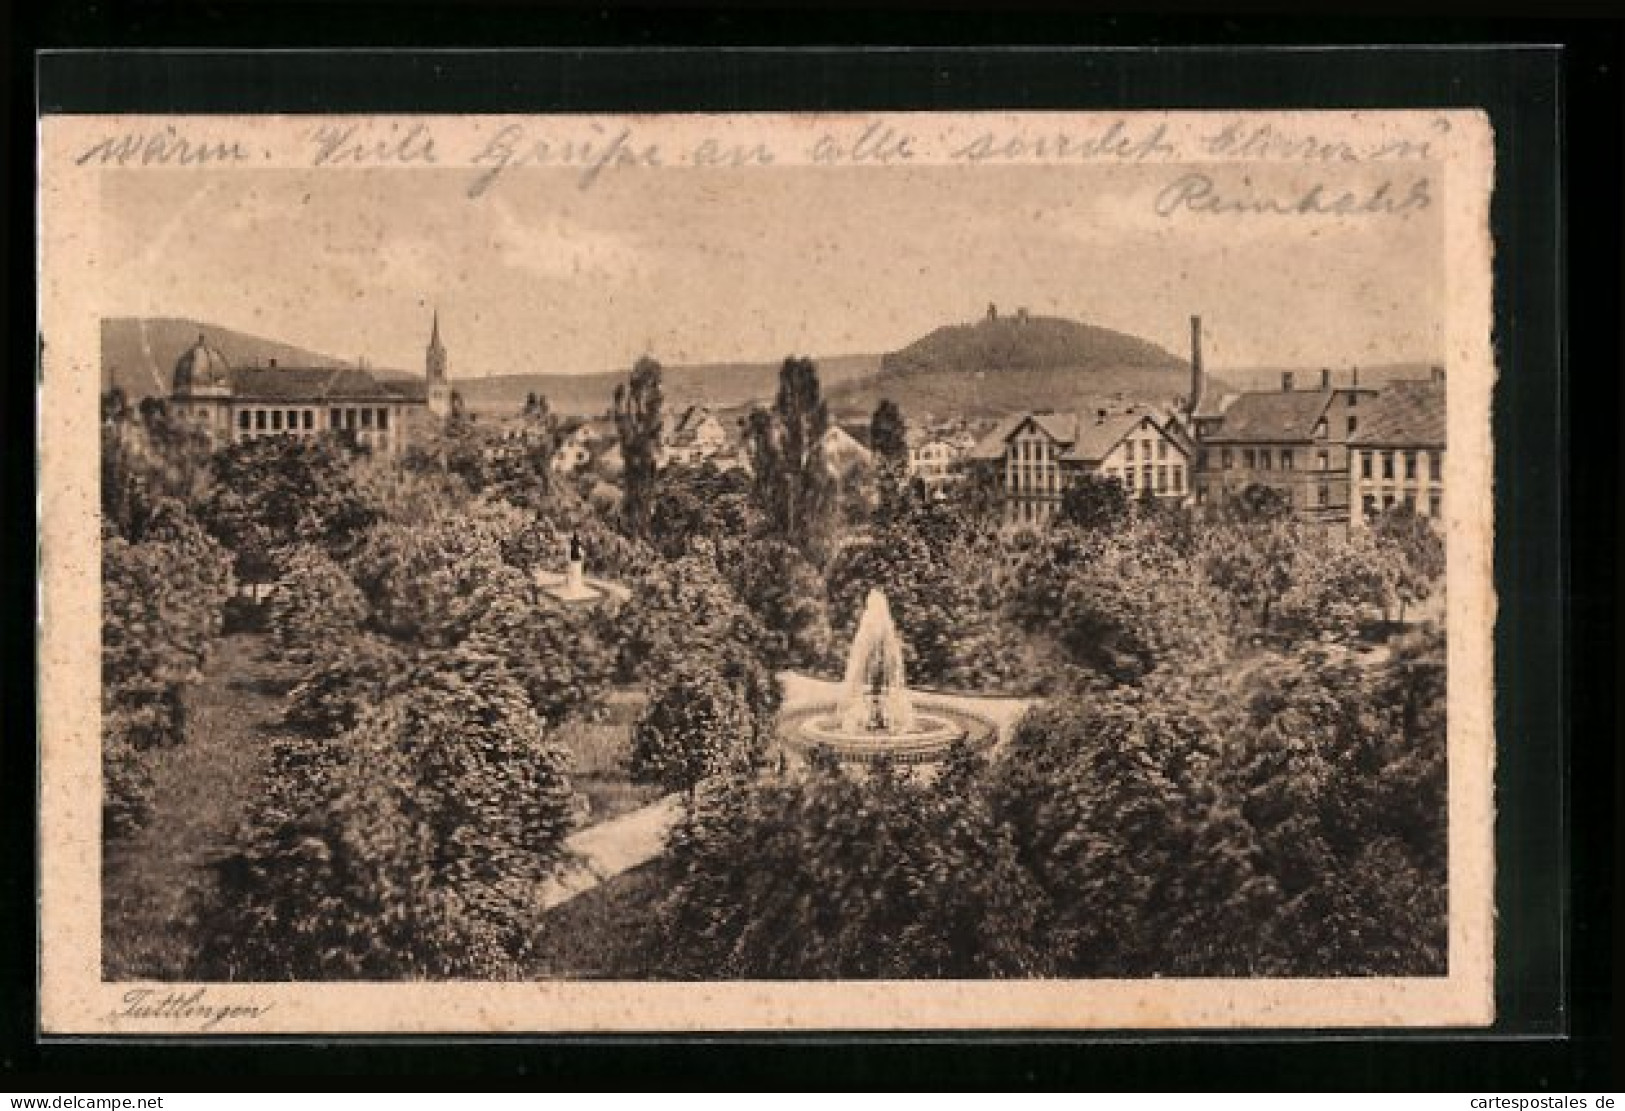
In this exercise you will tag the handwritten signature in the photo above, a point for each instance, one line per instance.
(1196, 192)
(185, 1006)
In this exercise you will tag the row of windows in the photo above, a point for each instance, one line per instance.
(293, 420)
(1145, 449)
(1370, 502)
(1265, 459)
(1369, 461)
(1168, 479)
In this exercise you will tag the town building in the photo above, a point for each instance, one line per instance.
(1037, 455)
(234, 404)
(1292, 440)
(697, 436)
(1397, 456)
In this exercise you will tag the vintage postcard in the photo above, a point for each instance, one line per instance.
(766, 573)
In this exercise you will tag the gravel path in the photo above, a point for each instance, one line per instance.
(610, 848)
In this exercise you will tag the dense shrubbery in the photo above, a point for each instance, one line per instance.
(161, 606)
(315, 605)
(411, 846)
(274, 494)
(696, 727)
(833, 877)
(1174, 837)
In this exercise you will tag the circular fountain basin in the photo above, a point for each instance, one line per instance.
(936, 729)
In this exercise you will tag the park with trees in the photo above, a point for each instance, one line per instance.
(1233, 763)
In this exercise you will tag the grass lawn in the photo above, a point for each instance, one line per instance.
(601, 751)
(154, 881)
(602, 934)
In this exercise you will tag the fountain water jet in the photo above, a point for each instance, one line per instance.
(875, 716)
(874, 697)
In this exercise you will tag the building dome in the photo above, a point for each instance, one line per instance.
(201, 367)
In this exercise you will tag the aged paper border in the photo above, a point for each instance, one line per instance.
(74, 999)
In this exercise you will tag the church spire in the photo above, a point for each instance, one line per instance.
(435, 371)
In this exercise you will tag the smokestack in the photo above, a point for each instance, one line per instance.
(1325, 378)
(1198, 379)
(1286, 381)
(1354, 376)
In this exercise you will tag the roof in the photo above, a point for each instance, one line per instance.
(200, 367)
(689, 423)
(1404, 413)
(318, 384)
(1084, 439)
(1060, 427)
(1095, 439)
(1272, 416)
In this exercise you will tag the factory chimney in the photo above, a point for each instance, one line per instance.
(1198, 379)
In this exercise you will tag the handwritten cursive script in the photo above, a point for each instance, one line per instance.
(1197, 193)
(185, 1006)
(166, 146)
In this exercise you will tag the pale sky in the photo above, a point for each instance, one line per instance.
(540, 275)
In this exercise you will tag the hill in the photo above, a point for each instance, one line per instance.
(139, 354)
(1005, 365)
(1000, 344)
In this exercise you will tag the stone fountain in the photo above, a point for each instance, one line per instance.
(876, 716)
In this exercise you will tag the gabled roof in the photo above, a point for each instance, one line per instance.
(1272, 416)
(317, 384)
(1095, 440)
(689, 423)
(1060, 427)
(1404, 413)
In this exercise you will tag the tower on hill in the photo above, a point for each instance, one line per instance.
(435, 368)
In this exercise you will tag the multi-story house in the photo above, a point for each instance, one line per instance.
(1294, 441)
(1039, 454)
(1397, 457)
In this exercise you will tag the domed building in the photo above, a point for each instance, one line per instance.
(245, 403)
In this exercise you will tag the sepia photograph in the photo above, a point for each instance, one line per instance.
(782, 572)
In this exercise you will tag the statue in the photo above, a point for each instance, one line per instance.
(574, 569)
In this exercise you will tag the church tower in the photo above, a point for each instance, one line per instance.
(435, 365)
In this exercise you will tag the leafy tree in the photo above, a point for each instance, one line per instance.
(279, 492)
(161, 609)
(888, 442)
(794, 485)
(359, 672)
(878, 878)
(683, 610)
(1092, 502)
(565, 658)
(639, 424)
(696, 727)
(1415, 553)
(1252, 561)
(1130, 604)
(977, 492)
(315, 605)
(1336, 583)
(699, 502)
(411, 848)
(434, 583)
(1147, 869)
(786, 594)
(147, 458)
